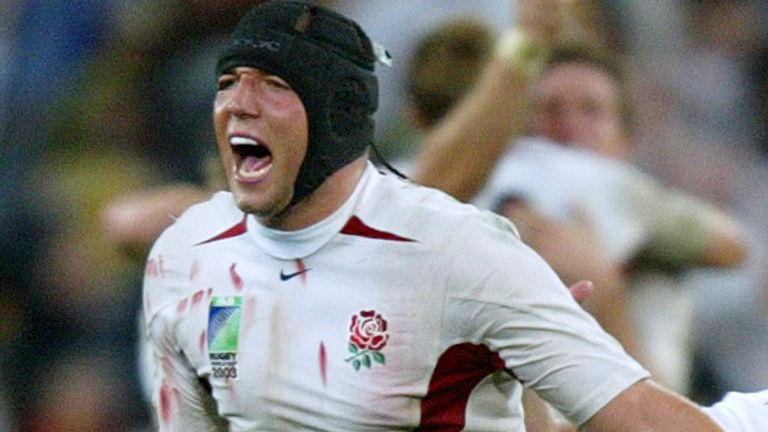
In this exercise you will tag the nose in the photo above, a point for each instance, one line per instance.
(242, 98)
(569, 122)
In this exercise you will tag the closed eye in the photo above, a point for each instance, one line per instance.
(277, 83)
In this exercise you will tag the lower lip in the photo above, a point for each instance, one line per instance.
(249, 180)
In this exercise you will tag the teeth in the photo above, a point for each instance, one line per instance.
(239, 140)
(251, 165)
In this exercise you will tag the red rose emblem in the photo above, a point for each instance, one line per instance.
(368, 331)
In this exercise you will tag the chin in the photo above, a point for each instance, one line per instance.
(258, 208)
(250, 208)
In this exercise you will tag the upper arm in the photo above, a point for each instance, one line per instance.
(522, 311)
(646, 406)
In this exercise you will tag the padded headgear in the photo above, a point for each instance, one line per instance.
(329, 62)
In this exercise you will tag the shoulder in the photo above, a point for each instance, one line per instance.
(465, 243)
(428, 215)
(200, 222)
(166, 276)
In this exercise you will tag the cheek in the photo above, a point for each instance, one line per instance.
(298, 129)
(220, 129)
(302, 136)
(219, 120)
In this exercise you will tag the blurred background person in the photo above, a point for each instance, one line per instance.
(697, 69)
(398, 25)
(578, 100)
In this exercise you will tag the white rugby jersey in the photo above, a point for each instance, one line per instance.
(404, 310)
(742, 412)
(555, 180)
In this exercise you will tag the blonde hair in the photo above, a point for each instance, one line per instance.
(446, 63)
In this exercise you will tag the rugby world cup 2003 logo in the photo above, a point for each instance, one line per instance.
(367, 337)
(224, 317)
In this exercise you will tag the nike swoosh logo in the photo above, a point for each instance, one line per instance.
(285, 277)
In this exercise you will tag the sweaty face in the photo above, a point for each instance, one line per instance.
(262, 134)
(580, 104)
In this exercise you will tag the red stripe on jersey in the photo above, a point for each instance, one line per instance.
(197, 297)
(357, 227)
(236, 279)
(323, 357)
(235, 231)
(458, 371)
(201, 341)
(302, 268)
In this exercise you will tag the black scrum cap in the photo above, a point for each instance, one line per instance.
(329, 62)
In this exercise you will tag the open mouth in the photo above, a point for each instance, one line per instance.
(253, 160)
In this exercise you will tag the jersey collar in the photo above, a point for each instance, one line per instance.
(306, 241)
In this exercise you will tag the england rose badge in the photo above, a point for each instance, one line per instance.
(367, 337)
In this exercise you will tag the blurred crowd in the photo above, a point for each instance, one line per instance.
(100, 98)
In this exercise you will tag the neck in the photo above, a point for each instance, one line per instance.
(321, 203)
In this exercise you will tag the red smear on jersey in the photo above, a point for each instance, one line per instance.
(166, 363)
(152, 269)
(182, 306)
(357, 227)
(203, 338)
(239, 229)
(194, 270)
(301, 267)
(323, 364)
(169, 397)
(209, 293)
(197, 298)
(249, 313)
(236, 279)
(458, 371)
